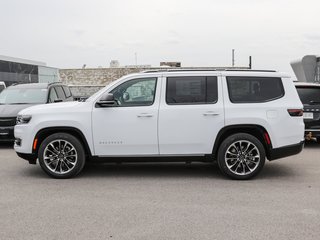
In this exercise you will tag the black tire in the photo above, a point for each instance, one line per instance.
(69, 153)
(236, 161)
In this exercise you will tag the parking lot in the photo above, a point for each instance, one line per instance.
(161, 201)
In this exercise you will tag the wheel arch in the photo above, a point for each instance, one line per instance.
(45, 132)
(255, 130)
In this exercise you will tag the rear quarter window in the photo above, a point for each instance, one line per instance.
(254, 89)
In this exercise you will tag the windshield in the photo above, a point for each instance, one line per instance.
(309, 95)
(1, 88)
(23, 96)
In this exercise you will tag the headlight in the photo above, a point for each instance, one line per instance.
(23, 119)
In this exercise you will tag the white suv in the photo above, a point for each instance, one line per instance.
(238, 118)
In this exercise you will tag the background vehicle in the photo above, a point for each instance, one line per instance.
(2, 86)
(309, 94)
(238, 118)
(15, 98)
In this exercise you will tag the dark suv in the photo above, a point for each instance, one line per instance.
(310, 97)
(15, 98)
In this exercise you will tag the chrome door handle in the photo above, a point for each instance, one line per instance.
(144, 115)
(211, 114)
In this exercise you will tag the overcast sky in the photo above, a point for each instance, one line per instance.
(70, 33)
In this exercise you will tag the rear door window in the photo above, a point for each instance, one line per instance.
(66, 91)
(191, 90)
(60, 93)
(254, 89)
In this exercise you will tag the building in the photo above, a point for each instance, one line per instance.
(17, 70)
(85, 82)
(307, 69)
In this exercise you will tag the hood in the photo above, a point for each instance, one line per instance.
(11, 110)
(50, 107)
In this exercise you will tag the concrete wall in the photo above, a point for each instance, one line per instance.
(94, 76)
(85, 82)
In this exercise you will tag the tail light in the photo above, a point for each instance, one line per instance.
(295, 112)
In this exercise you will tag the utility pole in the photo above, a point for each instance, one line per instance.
(233, 58)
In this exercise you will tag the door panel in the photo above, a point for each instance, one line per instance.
(130, 127)
(190, 115)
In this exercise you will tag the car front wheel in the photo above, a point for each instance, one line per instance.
(241, 156)
(61, 155)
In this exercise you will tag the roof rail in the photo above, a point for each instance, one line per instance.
(180, 70)
(249, 70)
(205, 69)
(51, 83)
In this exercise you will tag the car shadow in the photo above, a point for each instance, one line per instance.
(165, 171)
(178, 170)
(153, 170)
(312, 144)
(6, 145)
(277, 170)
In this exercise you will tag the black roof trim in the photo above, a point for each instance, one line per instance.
(205, 70)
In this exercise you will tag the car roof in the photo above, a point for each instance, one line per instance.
(306, 84)
(35, 85)
(185, 72)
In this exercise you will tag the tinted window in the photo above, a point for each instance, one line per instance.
(53, 95)
(67, 91)
(23, 96)
(309, 95)
(60, 93)
(191, 90)
(254, 89)
(137, 92)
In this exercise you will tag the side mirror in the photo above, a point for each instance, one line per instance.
(58, 100)
(107, 100)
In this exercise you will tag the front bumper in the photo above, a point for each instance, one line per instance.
(7, 134)
(30, 157)
(276, 153)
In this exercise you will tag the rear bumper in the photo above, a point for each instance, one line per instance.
(285, 151)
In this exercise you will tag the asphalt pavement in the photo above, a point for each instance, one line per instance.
(161, 201)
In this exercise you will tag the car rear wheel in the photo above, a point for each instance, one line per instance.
(241, 156)
(61, 155)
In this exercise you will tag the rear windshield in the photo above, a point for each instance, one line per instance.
(23, 96)
(309, 95)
